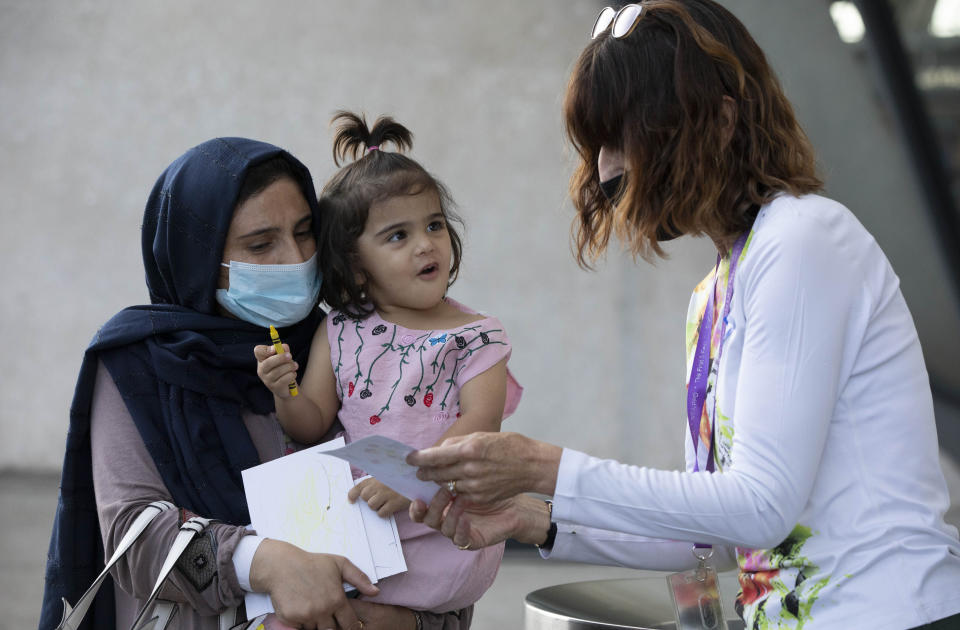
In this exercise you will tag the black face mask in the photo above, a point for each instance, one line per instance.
(612, 189)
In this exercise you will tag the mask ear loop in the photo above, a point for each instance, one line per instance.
(223, 264)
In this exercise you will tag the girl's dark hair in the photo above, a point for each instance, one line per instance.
(658, 95)
(372, 176)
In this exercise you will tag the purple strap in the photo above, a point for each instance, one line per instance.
(700, 370)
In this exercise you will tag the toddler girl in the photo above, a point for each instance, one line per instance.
(395, 356)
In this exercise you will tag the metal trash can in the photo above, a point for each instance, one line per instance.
(641, 603)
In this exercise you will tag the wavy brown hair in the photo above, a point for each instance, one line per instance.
(657, 95)
(345, 201)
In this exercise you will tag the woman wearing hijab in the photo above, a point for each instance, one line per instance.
(168, 405)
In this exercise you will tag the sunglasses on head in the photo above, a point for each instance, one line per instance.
(621, 23)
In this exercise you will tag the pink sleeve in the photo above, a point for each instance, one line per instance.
(490, 346)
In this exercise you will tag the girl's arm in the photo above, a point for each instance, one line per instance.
(306, 417)
(481, 402)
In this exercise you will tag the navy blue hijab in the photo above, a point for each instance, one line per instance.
(185, 372)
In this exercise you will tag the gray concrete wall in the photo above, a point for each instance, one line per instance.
(99, 96)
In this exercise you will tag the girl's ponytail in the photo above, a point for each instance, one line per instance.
(369, 176)
(352, 138)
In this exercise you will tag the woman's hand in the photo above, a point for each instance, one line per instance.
(490, 467)
(307, 588)
(276, 371)
(383, 616)
(471, 526)
(379, 497)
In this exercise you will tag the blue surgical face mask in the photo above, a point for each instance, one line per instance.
(265, 295)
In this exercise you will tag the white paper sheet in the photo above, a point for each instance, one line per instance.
(384, 541)
(301, 498)
(385, 459)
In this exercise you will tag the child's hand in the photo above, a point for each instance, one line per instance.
(379, 497)
(276, 372)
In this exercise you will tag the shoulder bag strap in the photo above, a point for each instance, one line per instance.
(72, 616)
(162, 611)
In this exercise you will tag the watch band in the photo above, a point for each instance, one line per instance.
(552, 531)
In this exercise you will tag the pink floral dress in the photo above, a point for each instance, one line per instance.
(405, 384)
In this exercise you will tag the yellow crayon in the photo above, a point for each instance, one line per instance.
(275, 338)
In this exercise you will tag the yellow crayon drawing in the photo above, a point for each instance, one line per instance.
(317, 517)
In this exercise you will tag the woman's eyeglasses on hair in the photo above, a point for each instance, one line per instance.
(623, 21)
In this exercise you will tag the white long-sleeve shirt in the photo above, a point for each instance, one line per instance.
(828, 490)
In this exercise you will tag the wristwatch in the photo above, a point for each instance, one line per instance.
(552, 532)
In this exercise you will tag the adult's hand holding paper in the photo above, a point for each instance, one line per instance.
(385, 459)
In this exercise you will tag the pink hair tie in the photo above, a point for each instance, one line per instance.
(373, 148)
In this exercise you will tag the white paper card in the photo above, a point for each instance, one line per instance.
(385, 459)
(301, 498)
(384, 541)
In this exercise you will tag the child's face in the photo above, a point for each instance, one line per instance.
(403, 255)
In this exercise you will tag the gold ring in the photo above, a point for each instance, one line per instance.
(463, 547)
(452, 487)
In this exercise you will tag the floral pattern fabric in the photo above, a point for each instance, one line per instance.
(405, 384)
(775, 589)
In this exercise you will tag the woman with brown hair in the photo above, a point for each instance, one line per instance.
(807, 396)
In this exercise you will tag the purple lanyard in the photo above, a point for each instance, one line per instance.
(700, 371)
